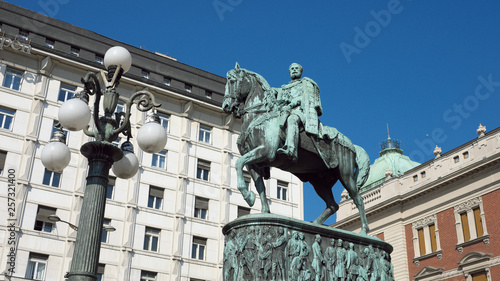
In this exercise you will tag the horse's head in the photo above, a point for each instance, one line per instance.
(238, 87)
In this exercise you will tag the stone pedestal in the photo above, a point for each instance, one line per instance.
(272, 247)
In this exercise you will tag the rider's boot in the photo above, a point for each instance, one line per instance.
(292, 139)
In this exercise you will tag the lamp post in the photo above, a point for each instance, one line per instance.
(74, 115)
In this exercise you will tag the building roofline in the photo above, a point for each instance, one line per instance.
(452, 151)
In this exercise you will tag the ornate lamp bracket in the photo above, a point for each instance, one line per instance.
(108, 128)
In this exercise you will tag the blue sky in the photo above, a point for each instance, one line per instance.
(429, 69)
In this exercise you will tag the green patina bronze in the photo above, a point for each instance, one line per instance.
(280, 128)
(272, 247)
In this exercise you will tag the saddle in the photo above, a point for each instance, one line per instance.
(324, 147)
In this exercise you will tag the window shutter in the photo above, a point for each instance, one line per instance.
(465, 226)
(156, 192)
(3, 156)
(201, 203)
(44, 213)
(199, 240)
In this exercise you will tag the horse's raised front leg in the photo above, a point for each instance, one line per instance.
(256, 155)
(261, 188)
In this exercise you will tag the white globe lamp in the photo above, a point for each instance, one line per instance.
(128, 166)
(56, 155)
(152, 137)
(118, 56)
(74, 114)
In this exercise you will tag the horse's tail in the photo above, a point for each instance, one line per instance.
(363, 166)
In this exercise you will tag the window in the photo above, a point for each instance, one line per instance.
(6, 117)
(37, 266)
(148, 275)
(188, 88)
(476, 266)
(23, 35)
(456, 159)
(465, 226)
(166, 81)
(74, 51)
(13, 78)
(204, 134)
(282, 190)
(478, 225)
(479, 276)
(200, 207)
(208, 94)
(99, 59)
(111, 187)
(104, 236)
(117, 142)
(478, 221)
(422, 239)
(145, 74)
(243, 211)
(425, 238)
(120, 107)
(42, 222)
(3, 156)
(159, 160)
(470, 222)
(465, 155)
(49, 43)
(198, 250)
(155, 197)
(100, 271)
(415, 178)
(66, 92)
(55, 125)
(151, 239)
(51, 178)
(164, 120)
(203, 170)
(423, 175)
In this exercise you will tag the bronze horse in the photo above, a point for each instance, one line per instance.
(249, 97)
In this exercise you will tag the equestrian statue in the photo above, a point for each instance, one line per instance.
(280, 128)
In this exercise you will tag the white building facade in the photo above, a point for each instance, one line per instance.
(169, 216)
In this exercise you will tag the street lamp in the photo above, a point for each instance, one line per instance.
(74, 115)
(56, 218)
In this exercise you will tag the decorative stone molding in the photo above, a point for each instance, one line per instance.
(473, 262)
(424, 222)
(485, 239)
(388, 173)
(481, 130)
(437, 151)
(467, 205)
(428, 272)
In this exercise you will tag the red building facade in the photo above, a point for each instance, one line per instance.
(442, 217)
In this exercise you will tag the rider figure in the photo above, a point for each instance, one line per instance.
(302, 106)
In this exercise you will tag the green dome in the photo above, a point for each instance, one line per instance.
(392, 158)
